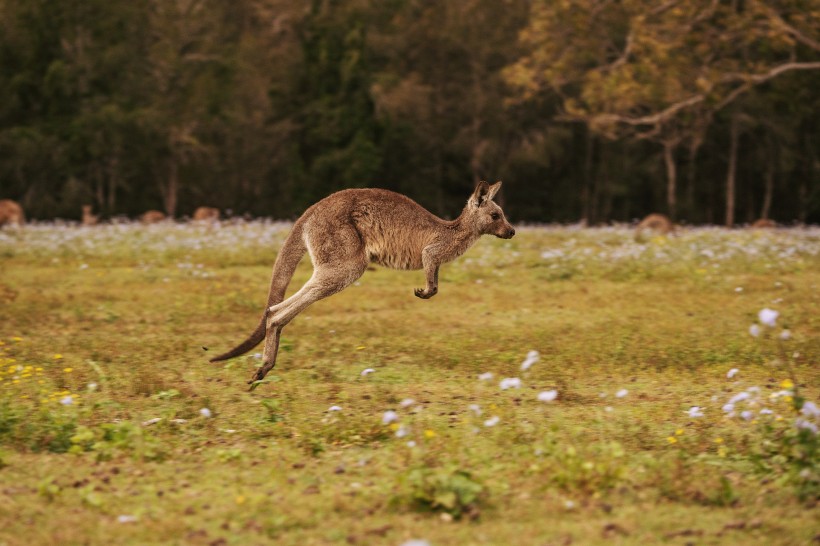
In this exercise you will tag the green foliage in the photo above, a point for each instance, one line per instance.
(215, 104)
(589, 468)
(446, 489)
(108, 439)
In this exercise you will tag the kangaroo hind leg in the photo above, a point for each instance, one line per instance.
(332, 273)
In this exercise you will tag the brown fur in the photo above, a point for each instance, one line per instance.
(11, 213)
(348, 230)
(152, 217)
(658, 223)
(206, 214)
(764, 223)
(89, 219)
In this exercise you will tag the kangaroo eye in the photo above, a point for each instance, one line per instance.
(495, 216)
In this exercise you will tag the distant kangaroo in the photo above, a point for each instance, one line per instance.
(206, 214)
(654, 222)
(89, 219)
(346, 231)
(11, 213)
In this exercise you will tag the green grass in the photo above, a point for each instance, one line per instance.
(132, 460)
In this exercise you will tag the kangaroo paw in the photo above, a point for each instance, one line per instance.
(424, 293)
(258, 375)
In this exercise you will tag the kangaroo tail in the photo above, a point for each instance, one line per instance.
(283, 269)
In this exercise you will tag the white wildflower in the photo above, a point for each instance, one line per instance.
(695, 411)
(731, 373)
(766, 411)
(415, 542)
(367, 371)
(805, 425)
(150, 422)
(492, 421)
(810, 409)
(547, 396)
(729, 408)
(407, 402)
(475, 409)
(621, 393)
(402, 431)
(486, 376)
(768, 316)
(91, 386)
(411, 443)
(754, 330)
(739, 397)
(785, 335)
(205, 412)
(747, 415)
(532, 358)
(389, 416)
(66, 400)
(334, 408)
(126, 519)
(510, 383)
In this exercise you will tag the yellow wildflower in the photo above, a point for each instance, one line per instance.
(672, 440)
(787, 384)
(679, 432)
(68, 370)
(718, 440)
(429, 433)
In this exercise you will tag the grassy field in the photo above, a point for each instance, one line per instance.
(651, 414)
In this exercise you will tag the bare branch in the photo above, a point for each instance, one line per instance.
(752, 80)
(654, 119)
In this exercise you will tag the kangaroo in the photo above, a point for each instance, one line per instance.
(11, 213)
(206, 214)
(89, 219)
(654, 222)
(349, 229)
(152, 217)
(764, 223)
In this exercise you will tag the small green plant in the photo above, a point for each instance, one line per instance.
(592, 468)
(449, 490)
(274, 408)
(110, 438)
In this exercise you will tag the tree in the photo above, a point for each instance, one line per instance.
(641, 70)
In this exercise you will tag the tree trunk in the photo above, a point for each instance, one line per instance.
(767, 195)
(170, 189)
(586, 192)
(671, 179)
(730, 176)
(690, 184)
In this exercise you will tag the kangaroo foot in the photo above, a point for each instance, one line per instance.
(258, 375)
(425, 294)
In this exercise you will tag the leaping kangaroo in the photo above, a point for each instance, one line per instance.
(349, 229)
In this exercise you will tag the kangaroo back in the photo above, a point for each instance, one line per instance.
(283, 268)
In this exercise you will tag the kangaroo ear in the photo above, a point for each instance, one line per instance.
(494, 190)
(480, 195)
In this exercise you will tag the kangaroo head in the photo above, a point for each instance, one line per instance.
(485, 214)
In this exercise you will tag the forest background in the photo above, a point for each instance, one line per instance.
(595, 110)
